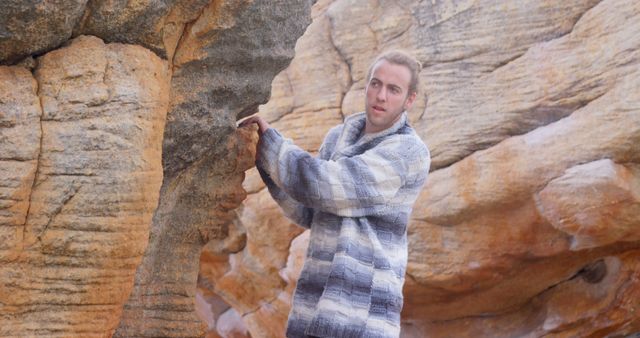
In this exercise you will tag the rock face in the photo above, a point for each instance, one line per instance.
(34, 27)
(81, 163)
(529, 224)
(223, 67)
(120, 161)
(103, 210)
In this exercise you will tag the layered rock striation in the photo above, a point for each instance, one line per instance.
(120, 161)
(81, 163)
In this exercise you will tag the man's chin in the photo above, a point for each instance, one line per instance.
(375, 124)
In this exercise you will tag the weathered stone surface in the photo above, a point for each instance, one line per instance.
(210, 308)
(97, 167)
(223, 67)
(528, 225)
(478, 249)
(250, 275)
(267, 320)
(157, 25)
(34, 26)
(80, 151)
(598, 203)
(196, 206)
(546, 83)
(308, 112)
(581, 306)
(20, 135)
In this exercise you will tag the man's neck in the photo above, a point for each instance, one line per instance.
(370, 129)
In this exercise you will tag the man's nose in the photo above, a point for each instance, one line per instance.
(382, 94)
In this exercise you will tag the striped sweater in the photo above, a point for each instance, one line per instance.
(356, 197)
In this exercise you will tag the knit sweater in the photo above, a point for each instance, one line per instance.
(356, 197)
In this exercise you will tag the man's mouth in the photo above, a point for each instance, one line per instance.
(378, 108)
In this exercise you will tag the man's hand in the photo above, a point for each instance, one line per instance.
(262, 124)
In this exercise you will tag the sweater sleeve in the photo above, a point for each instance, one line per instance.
(292, 209)
(356, 186)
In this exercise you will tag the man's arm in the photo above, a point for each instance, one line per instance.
(351, 186)
(292, 209)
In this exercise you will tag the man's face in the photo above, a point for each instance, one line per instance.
(387, 95)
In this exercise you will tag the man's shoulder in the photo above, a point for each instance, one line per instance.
(330, 141)
(335, 130)
(333, 134)
(405, 138)
(410, 149)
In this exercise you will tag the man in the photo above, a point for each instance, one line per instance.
(356, 198)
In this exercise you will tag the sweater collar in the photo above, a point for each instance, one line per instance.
(354, 127)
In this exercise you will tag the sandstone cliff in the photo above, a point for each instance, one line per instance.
(120, 161)
(530, 222)
(119, 155)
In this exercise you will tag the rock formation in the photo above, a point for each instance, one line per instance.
(119, 155)
(529, 224)
(81, 163)
(120, 161)
(223, 67)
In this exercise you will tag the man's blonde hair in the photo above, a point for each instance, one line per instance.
(401, 58)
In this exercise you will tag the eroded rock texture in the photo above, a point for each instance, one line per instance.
(34, 26)
(86, 158)
(223, 68)
(81, 164)
(529, 224)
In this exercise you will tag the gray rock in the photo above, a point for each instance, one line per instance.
(227, 75)
(33, 26)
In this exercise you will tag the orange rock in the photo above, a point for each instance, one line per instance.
(97, 172)
(224, 63)
(598, 203)
(20, 135)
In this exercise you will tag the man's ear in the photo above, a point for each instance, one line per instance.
(409, 101)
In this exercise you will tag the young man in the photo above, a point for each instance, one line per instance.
(356, 197)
